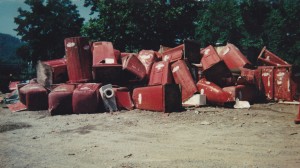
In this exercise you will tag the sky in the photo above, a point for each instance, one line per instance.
(9, 10)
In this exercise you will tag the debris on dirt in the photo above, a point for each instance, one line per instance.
(12, 126)
(128, 156)
(205, 123)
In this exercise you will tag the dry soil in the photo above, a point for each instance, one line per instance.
(263, 136)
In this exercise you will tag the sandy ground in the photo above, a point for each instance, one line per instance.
(264, 136)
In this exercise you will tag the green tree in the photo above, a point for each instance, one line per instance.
(134, 25)
(44, 27)
(220, 21)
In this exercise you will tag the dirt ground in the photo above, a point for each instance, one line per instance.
(263, 136)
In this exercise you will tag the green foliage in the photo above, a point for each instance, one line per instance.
(134, 25)
(252, 24)
(44, 28)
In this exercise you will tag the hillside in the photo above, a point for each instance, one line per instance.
(8, 47)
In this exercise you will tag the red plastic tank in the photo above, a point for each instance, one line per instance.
(210, 57)
(79, 59)
(219, 74)
(52, 72)
(147, 57)
(242, 92)
(160, 74)
(104, 53)
(183, 77)
(233, 57)
(123, 98)
(283, 84)
(34, 96)
(133, 65)
(268, 58)
(60, 99)
(214, 94)
(163, 98)
(108, 73)
(267, 80)
(86, 98)
(173, 54)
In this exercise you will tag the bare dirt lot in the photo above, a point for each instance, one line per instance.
(263, 136)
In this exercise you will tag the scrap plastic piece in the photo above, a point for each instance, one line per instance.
(16, 107)
(241, 104)
(109, 98)
(13, 85)
(196, 100)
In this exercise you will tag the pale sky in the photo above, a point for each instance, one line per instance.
(9, 10)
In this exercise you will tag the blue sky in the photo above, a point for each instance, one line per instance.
(9, 10)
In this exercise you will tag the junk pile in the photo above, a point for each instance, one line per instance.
(95, 77)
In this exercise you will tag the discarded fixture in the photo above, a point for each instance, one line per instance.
(284, 86)
(109, 98)
(214, 94)
(268, 58)
(104, 53)
(196, 100)
(52, 72)
(34, 96)
(86, 98)
(219, 74)
(191, 51)
(182, 76)
(160, 74)
(242, 92)
(79, 59)
(60, 99)
(133, 65)
(267, 81)
(123, 98)
(147, 57)
(163, 98)
(233, 57)
(173, 54)
(209, 57)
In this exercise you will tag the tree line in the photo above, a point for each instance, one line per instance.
(133, 25)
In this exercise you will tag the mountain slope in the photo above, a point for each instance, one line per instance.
(8, 47)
